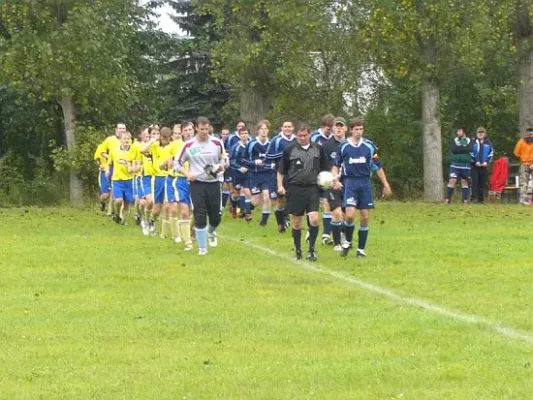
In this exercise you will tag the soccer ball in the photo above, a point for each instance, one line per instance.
(325, 180)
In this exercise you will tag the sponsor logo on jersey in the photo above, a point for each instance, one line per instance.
(358, 160)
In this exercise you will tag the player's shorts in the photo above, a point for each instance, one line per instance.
(138, 189)
(158, 189)
(334, 198)
(302, 199)
(260, 182)
(181, 190)
(358, 194)
(460, 172)
(170, 196)
(147, 185)
(228, 176)
(274, 180)
(123, 190)
(104, 183)
(239, 180)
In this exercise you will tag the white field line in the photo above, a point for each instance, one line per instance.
(471, 319)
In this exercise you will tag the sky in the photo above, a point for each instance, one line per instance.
(164, 21)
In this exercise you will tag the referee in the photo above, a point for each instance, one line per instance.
(206, 158)
(299, 168)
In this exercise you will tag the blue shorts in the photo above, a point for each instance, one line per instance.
(158, 189)
(460, 172)
(147, 185)
(228, 176)
(123, 190)
(262, 181)
(240, 180)
(170, 196)
(181, 190)
(138, 189)
(103, 182)
(358, 194)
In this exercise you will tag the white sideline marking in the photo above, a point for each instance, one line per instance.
(459, 316)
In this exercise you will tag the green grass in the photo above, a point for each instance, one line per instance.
(89, 309)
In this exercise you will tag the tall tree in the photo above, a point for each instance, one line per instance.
(71, 52)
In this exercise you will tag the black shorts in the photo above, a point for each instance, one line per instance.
(302, 199)
(334, 198)
(206, 200)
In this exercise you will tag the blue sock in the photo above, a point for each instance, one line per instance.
(466, 193)
(349, 228)
(248, 206)
(225, 197)
(264, 217)
(234, 201)
(326, 221)
(242, 203)
(449, 192)
(363, 236)
(336, 231)
(201, 237)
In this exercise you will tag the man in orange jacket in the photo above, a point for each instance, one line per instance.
(524, 152)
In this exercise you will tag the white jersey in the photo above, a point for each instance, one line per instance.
(200, 155)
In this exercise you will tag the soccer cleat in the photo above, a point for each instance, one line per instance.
(307, 236)
(345, 249)
(263, 224)
(188, 246)
(116, 219)
(311, 255)
(137, 219)
(212, 239)
(177, 239)
(247, 217)
(145, 228)
(361, 253)
(287, 222)
(326, 240)
(337, 248)
(298, 254)
(241, 215)
(102, 206)
(202, 252)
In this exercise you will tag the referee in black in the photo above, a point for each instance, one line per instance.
(299, 168)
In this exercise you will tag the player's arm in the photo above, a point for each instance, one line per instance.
(273, 152)
(324, 163)
(179, 164)
(145, 147)
(108, 165)
(283, 169)
(387, 191)
(247, 158)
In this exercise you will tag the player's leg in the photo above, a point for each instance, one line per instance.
(199, 200)
(296, 206)
(266, 195)
(451, 184)
(350, 202)
(214, 200)
(184, 202)
(474, 193)
(118, 200)
(312, 198)
(337, 217)
(158, 194)
(326, 218)
(465, 184)
(226, 188)
(103, 184)
(172, 209)
(482, 183)
(128, 200)
(365, 203)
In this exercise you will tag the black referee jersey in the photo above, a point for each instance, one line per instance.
(301, 165)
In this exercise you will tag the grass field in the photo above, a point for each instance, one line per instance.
(89, 309)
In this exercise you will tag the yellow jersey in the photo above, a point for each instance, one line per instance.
(110, 143)
(98, 157)
(137, 156)
(159, 156)
(170, 152)
(120, 158)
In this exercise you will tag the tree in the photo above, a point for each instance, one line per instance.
(71, 52)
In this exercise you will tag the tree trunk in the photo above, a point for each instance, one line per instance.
(524, 33)
(433, 182)
(69, 117)
(254, 106)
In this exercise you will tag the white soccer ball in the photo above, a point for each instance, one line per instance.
(325, 180)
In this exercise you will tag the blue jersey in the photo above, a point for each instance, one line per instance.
(231, 140)
(319, 137)
(257, 151)
(357, 160)
(235, 156)
(277, 145)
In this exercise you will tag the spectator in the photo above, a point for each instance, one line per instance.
(460, 168)
(524, 152)
(482, 153)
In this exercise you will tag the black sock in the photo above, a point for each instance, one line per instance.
(264, 217)
(449, 192)
(350, 227)
(297, 238)
(363, 236)
(313, 233)
(336, 232)
(279, 216)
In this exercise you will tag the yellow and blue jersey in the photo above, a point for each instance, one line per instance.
(120, 158)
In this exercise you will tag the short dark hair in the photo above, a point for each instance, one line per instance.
(202, 121)
(185, 124)
(239, 121)
(304, 127)
(328, 120)
(356, 122)
(166, 131)
(142, 128)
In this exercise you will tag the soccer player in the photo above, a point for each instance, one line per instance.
(147, 177)
(153, 150)
(176, 132)
(240, 172)
(138, 190)
(356, 159)
(460, 168)
(261, 188)
(205, 155)
(331, 149)
(226, 186)
(301, 163)
(121, 158)
(103, 182)
(231, 141)
(274, 155)
(324, 132)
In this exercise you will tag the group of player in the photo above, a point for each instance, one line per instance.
(147, 172)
